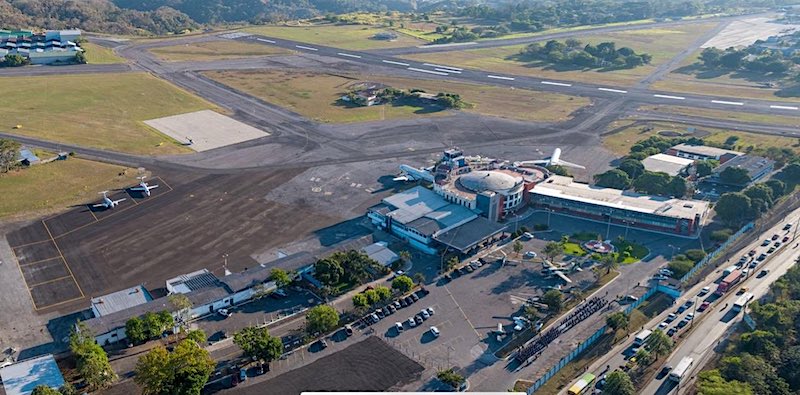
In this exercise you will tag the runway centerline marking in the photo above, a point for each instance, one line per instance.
(555, 83)
(448, 71)
(265, 40)
(500, 77)
(395, 63)
(670, 97)
(730, 103)
(348, 55)
(442, 66)
(612, 90)
(784, 107)
(307, 48)
(426, 71)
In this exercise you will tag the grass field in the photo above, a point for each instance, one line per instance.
(97, 54)
(662, 44)
(32, 191)
(630, 132)
(356, 37)
(728, 115)
(97, 110)
(316, 96)
(215, 50)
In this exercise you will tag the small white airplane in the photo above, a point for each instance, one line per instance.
(108, 203)
(409, 173)
(553, 160)
(143, 187)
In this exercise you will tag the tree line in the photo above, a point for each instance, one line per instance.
(574, 53)
(753, 58)
(764, 361)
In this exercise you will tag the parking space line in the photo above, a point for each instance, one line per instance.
(48, 281)
(37, 308)
(92, 212)
(30, 244)
(65, 261)
(161, 180)
(462, 312)
(39, 261)
(33, 301)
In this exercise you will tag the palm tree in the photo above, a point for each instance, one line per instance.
(404, 255)
(608, 262)
(659, 343)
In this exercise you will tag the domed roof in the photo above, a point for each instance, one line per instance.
(479, 181)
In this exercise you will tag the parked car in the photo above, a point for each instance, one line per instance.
(424, 314)
(671, 317)
(703, 306)
(348, 329)
(430, 311)
(785, 239)
(787, 226)
(403, 302)
(397, 305)
(409, 300)
(398, 326)
(665, 271)
(704, 291)
(777, 244)
(278, 294)
(418, 319)
(771, 250)
(763, 273)
(390, 309)
(414, 297)
(683, 323)
(527, 235)
(761, 257)
(435, 331)
(530, 254)
(753, 265)
(224, 312)
(775, 237)
(242, 374)
(380, 313)
(752, 253)
(682, 308)
(411, 322)
(374, 318)
(663, 325)
(689, 316)
(469, 269)
(672, 331)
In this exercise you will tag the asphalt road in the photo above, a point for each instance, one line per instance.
(709, 326)
(455, 73)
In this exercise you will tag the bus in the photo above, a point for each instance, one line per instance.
(641, 337)
(680, 369)
(729, 280)
(583, 384)
(742, 301)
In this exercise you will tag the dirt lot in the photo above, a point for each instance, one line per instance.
(184, 226)
(370, 365)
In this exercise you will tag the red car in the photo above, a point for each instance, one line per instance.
(703, 306)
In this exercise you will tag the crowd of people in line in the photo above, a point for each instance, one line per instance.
(580, 313)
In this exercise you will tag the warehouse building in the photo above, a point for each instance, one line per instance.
(120, 300)
(757, 168)
(662, 163)
(429, 222)
(702, 152)
(51, 46)
(668, 215)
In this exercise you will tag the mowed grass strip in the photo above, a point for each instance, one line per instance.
(662, 44)
(316, 96)
(215, 50)
(355, 37)
(726, 115)
(97, 54)
(49, 187)
(97, 110)
(628, 132)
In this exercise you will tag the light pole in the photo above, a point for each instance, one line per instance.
(549, 211)
(608, 228)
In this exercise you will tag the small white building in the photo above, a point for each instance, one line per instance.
(22, 377)
(663, 163)
(120, 300)
(380, 252)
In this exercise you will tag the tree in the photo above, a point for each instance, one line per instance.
(8, 154)
(659, 343)
(183, 307)
(281, 277)
(403, 284)
(419, 278)
(197, 335)
(80, 58)
(452, 262)
(328, 271)
(404, 255)
(360, 300)
(42, 389)
(383, 292)
(184, 371)
(554, 300)
(450, 377)
(619, 383)
(608, 262)
(92, 361)
(790, 174)
(559, 170)
(258, 344)
(676, 187)
(517, 246)
(135, 330)
(705, 167)
(322, 318)
(632, 167)
(711, 57)
(552, 250)
(617, 321)
(734, 176)
(14, 61)
(653, 183)
(695, 254)
(614, 178)
(734, 208)
(680, 267)
(710, 382)
(778, 187)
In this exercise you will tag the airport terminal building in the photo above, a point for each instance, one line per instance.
(668, 215)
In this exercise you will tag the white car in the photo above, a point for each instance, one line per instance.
(398, 326)
(704, 291)
(435, 331)
(411, 322)
(530, 255)
(663, 325)
(430, 311)
(424, 313)
(528, 235)
(224, 312)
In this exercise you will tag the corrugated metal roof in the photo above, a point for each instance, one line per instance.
(120, 300)
(22, 377)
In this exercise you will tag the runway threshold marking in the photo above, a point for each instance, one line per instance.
(784, 107)
(426, 71)
(395, 63)
(442, 66)
(39, 261)
(307, 48)
(64, 259)
(612, 90)
(730, 103)
(670, 97)
(555, 83)
(500, 77)
(51, 281)
(348, 55)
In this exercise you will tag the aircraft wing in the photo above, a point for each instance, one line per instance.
(538, 162)
(152, 186)
(99, 205)
(117, 201)
(401, 179)
(137, 189)
(570, 164)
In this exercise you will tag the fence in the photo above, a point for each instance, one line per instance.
(716, 252)
(583, 346)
